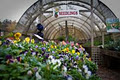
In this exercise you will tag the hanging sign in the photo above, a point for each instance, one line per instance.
(112, 25)
(64, 13)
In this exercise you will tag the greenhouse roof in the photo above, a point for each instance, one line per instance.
(79, 26)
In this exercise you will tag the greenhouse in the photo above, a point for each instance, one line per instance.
(61, 40)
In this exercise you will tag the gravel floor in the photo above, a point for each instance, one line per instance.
(108, 74)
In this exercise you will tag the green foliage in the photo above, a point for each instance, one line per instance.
(108, 39)
(6, 36)
(70, 38)
(94, 77)
(111, 45)
(96, 43)
(61, 38)
(18, 70)
(87, 44)
(92, 66)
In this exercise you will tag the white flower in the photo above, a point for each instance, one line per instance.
(84, 66)
(86, 70)
(49, 62)
(62, 59)
(29, 73)
(64, 68)
(79, 70)
(88, 74)
(53, 61)
(69, 77)
(58, 65)
(33, 53)
(66, 57)
(83, 49)
(75, 66)
(64, 74)
(51, 57)
(38, 77)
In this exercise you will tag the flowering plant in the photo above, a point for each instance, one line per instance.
(45, 61)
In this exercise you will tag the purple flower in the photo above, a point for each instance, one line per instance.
(11, 60)
(35, 69)
(7, 42)
(44, 60)
(36, 46)
(68, 77)
(43, 54)
(53, 52)
(8, 56)
(61, 56)
(80, 49)
(43, 48)
(76, 50)
(54, 57)
(65, 64)
(33, 53)
(72, 58)
(19, 59)
(24, 52)
(60, 53)
(47, 55)
(77, 57)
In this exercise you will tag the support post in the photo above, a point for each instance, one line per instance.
(66, 30)
(92, 25)
(40, 19)
(103, 42)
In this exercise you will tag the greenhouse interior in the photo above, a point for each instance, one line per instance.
(61, 40)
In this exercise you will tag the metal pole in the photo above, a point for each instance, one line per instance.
(92, 25)
(40, 19)
(66, 30)
(103, 39)
(103, 36)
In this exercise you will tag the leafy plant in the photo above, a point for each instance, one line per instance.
(27, 60)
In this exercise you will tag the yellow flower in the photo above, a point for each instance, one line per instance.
(52, 46)
(18, 39)
(64, 50)
(8, 61)
(73, 51)
(32, 41)
(84, 56)
(81, 47)
(48, 49)
(89, 59)
(27, 39)
(67, 49)
(17, 35)
(55, 47)
(0, 42)
(78, 53)
(14, 41)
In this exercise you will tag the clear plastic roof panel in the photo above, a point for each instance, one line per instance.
(42, 12)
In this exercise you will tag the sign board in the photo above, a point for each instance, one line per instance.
(112, 25)
(65, 13)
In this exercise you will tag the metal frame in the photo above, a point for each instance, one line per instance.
(41, 6)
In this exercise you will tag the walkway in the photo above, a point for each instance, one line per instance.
(108, 74)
